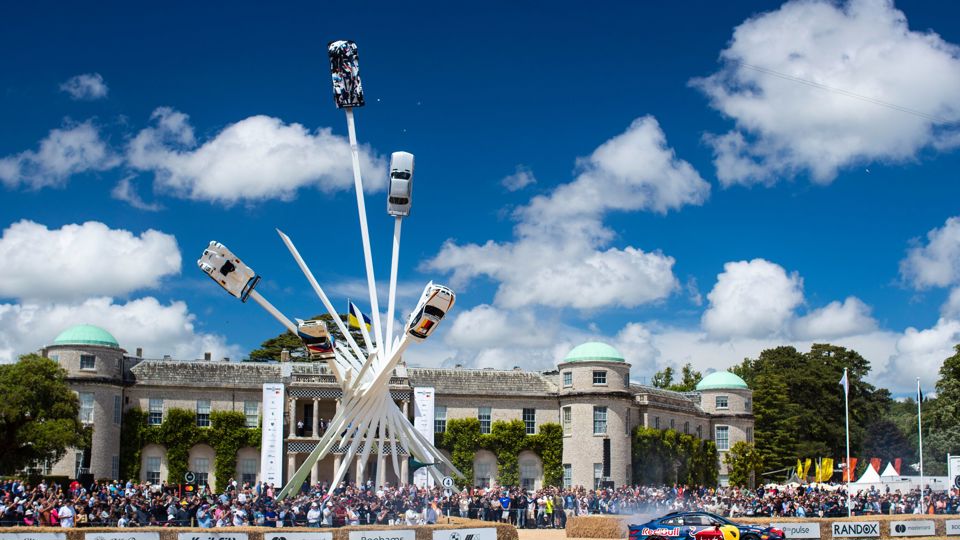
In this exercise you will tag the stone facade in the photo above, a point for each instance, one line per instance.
(592, 398)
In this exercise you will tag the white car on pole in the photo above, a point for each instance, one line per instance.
(401, 184)
(228, 270)
(435, 302)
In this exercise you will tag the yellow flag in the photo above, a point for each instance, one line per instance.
(799, 469)
(826, 469)
(806, 469)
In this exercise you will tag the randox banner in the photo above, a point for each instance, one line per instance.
(918, 527)
(122, 536)
(486, 533)
(953, 527)
(211, 536)
(399, 534)
(33, 536)
(856, 529)
(281, 535)
(799, 530)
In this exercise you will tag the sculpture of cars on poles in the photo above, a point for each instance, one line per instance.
(367, 413)
(401, 184)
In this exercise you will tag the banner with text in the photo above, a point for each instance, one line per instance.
(485, 533)
(953, 527)
(856, 529)
(122, 536)
(271, 442)
(799, 530)
(913, 527)
(399, 534)
(211, 536)
(423, 418)
(281, 535)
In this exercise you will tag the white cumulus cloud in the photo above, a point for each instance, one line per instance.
(64, 152)
(520, 179)
(146, 322)
(936, 264)
(78, 261)
(254, 159)
(87, 87)
(560, 256)
(816, 86)
(126, 191)
(752, 299)
(837, 319)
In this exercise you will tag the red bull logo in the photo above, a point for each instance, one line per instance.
(661, 531)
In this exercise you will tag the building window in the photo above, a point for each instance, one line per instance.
(248, 471)
(528, 475)
(722, 402)
(201, 466)
(567, 417)
(251, 413)
(567, 379)
(656, 422)
(115, 466)
(626, 425)
(530, 421)
(748, 404)
(440, 419)
(55, 358)
(88, 361)
(567, 475)
(483, 475)
(599, 420)
(599, 378)
(86, 407)
(597, 475)
(155, 414)
(723, 438)
(483, 414)
(203, 413)
(117, 411)
(671, 423)
(749, 434)
(153, 470)
(686, 428)
(699, 432)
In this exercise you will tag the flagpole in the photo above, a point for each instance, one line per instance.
(920, 433)
(846, 406)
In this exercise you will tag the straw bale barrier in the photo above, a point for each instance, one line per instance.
(423, 532)
(618, 526)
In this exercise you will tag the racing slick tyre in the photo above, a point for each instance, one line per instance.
(750, 537)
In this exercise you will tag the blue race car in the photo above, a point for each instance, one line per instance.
(687, 525)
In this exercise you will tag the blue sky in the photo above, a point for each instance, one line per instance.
(690, 182)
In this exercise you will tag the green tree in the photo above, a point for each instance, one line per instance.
(744, 464)
(689, 378)
(39, 414)
(885, 440)
(662, 378)
(271, 348)
(941, 417)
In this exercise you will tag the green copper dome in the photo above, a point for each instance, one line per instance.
(721, 380)
(86, 334)
(594, 351)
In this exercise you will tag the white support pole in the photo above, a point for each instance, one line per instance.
(392, 298)
(920, 433)
(265, 304)
(323, 296)
(846, 405)
(364, 233)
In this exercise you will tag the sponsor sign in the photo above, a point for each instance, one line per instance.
(33, 536)
(799, 530)
(399, 534)
(298, 536)
(211, 536)
(271, 442)
(953, 527)
(856, 529)
(423, 415)
(486, 533)
(121, 536)
(661, 531)
(918, 527)
(953, 471)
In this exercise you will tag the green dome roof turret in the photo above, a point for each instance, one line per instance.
(86, 334)
(594, 351)
(722, 380)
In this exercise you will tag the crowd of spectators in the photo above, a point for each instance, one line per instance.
(130, 504)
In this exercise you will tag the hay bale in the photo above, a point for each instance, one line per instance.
(596, 527)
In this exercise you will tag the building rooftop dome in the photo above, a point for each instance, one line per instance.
(86, 334)
(594, 351)
(721, 380)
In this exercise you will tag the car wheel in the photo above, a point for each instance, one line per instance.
(656, 538)
(749, 537)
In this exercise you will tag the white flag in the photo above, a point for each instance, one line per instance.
(846, 385)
